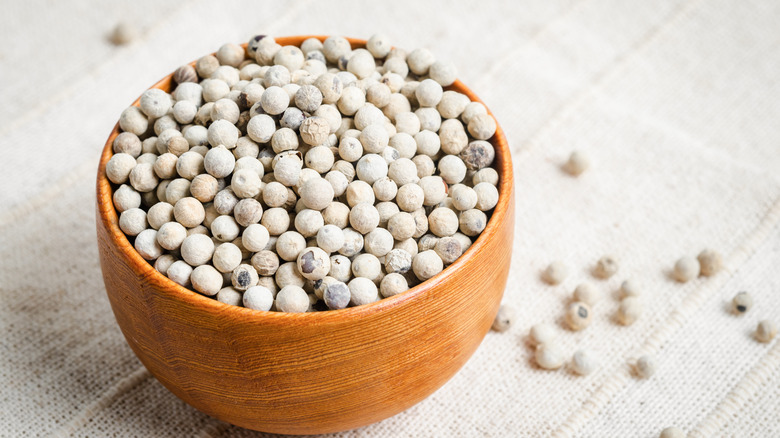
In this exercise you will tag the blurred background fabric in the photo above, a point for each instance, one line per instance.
(676, 101)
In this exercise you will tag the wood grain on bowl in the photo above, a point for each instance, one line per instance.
(312, 372)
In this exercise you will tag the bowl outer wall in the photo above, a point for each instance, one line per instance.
(314, 372)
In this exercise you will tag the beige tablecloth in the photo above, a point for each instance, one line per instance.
(676, 101)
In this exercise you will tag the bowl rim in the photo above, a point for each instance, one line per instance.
(142, 267)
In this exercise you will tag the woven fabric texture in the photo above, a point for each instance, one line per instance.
(676, 101)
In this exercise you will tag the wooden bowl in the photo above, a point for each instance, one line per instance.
(307, 373)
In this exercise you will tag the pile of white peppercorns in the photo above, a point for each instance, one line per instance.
(305, 178)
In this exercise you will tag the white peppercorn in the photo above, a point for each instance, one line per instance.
(133, 120)
(578, 316)
(410, 197)
(765, 331)
(549, 356)
(330, 86)
(361, 63)
(330, 238)
(125, 198)
(419, 60)
(171, 235)
(463, 197)
(247, 212)
(374, 138)
(165, 165)
(362, 291)
(316, 193)
(319, 158)
(265, 262)
(482, 126)
(371, 167)
(443, 222)
(478, 154)
(428, 143)
(244, 277)
(427, 241)
(741, 303)
(465, 241)
(261, 128)
(542, 333)
(407, 123)
(587, 293)
(163, 263)
(686, 269)
(308, 222)
(364, 217)
(555, 273)
(337, 181)
(421, 222)
(142, 178)
(224, 228)
(219, 162)
(197, 249)
(606, 267)
(225, 109)
(408, 245)
(385, 189)
(189, 212)
(630, 288)
(274, 100)
(426, 264)
(629, 310)
(292, 299)
(206, 280)
(189, 165)
(337, 295)
(230, 296)
(583, 362)
(180, 272)
(393, 284)
(225, 201)
(276, 76)
(448, 249)
(159, 214)
(258, 298)
(223, 132)
(340, 268)
(350, 149)
(245, 183)
(428, 93)
(577, 163)
(386, 211)
(710, 261)
(274, 194)
(127, 143)
(645, 366)
(313, 263)
(353, 243)
(195, 135)
(378, 94)
(336, 214)
(452, 169)
(345, 168)
(424, 164)
(146, 244)
(378, 242)
(287, 169)
(289, 245)
(504, 319)
(487, 174)
(227, 257)
(132, 221)
(155, 103)
(487, 196)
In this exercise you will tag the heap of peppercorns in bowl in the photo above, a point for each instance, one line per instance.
(305, 178)
(349, 205)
